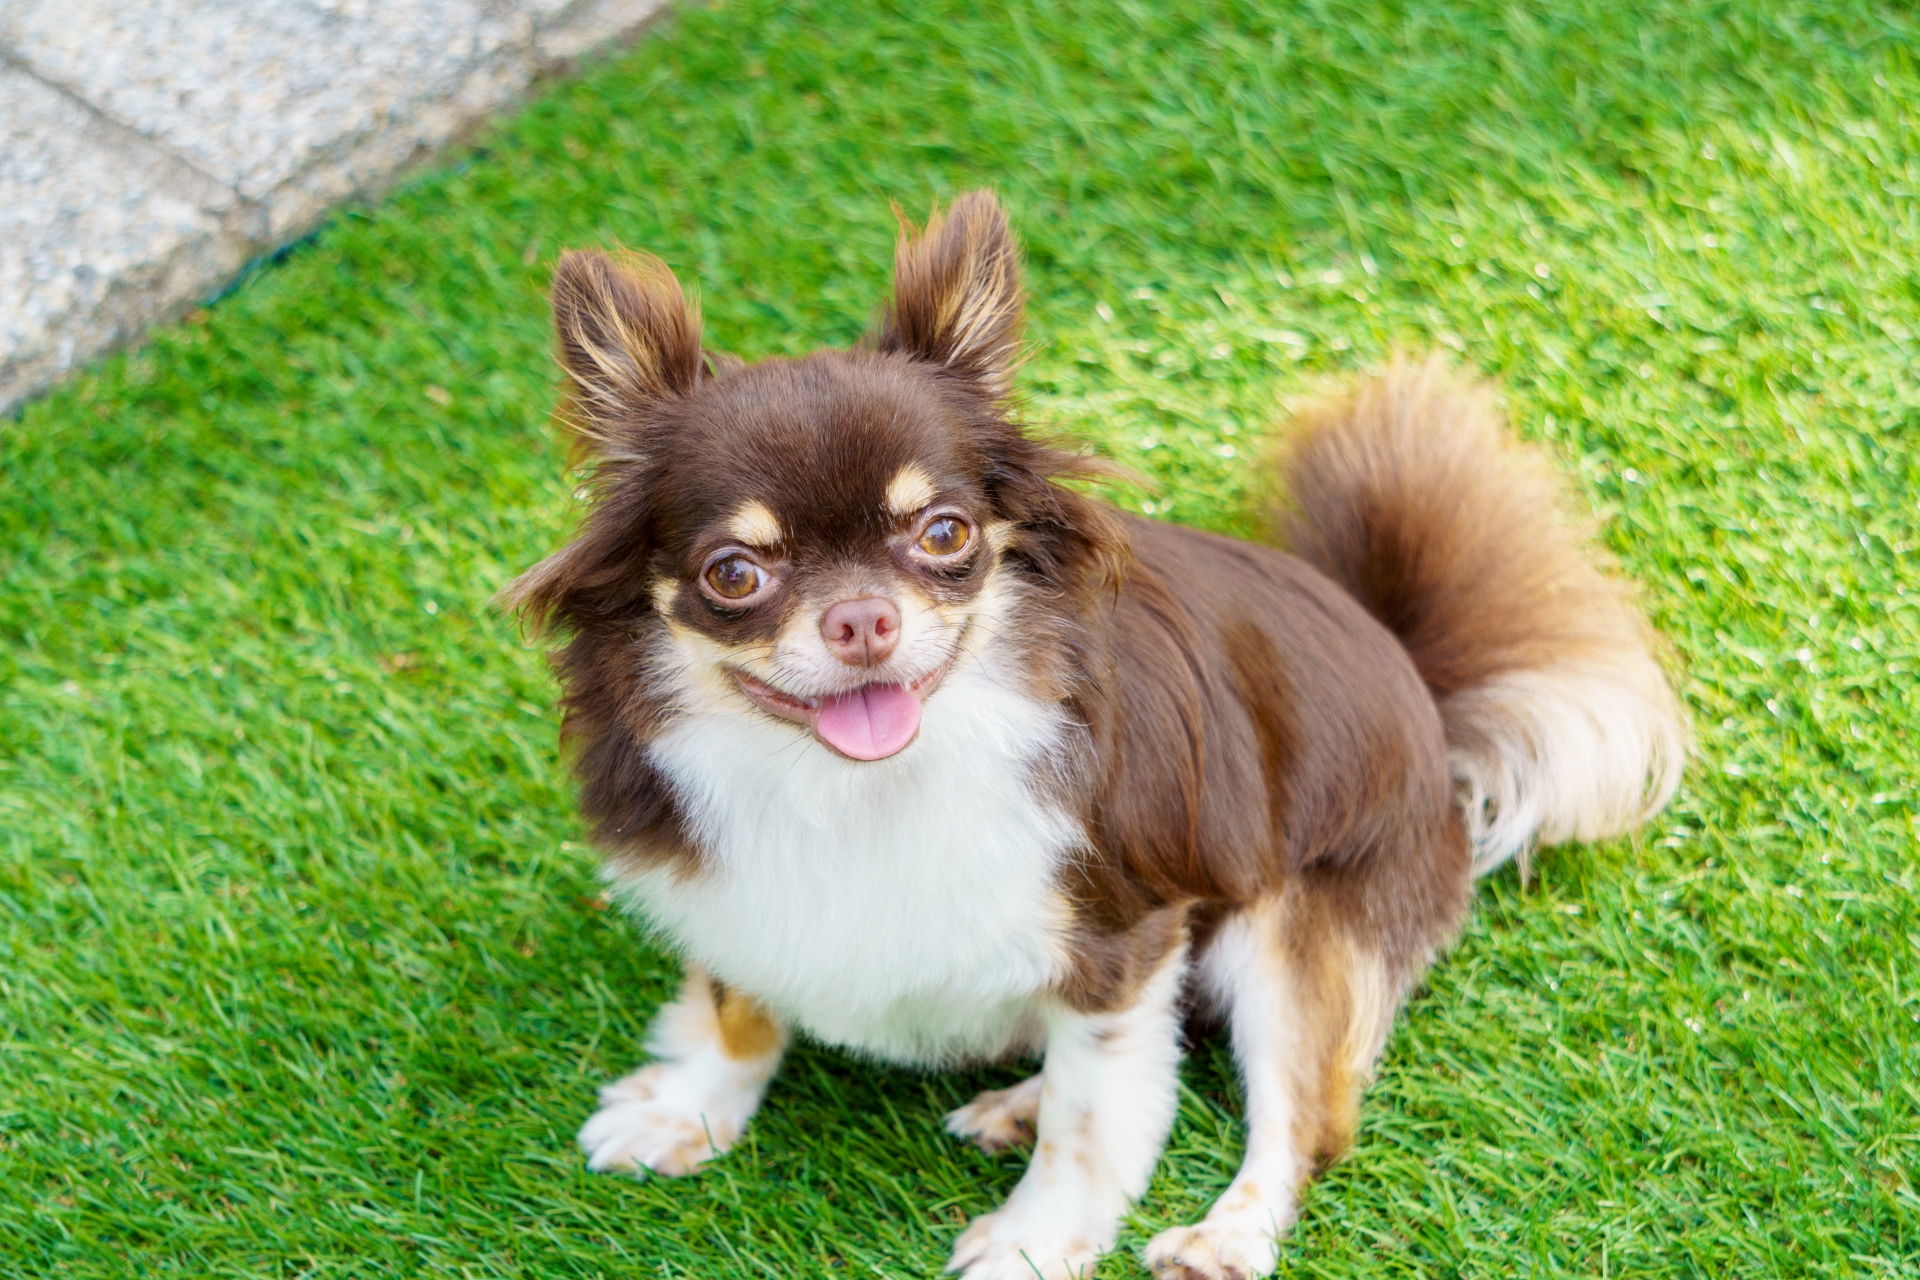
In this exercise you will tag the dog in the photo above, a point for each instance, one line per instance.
(904, 743)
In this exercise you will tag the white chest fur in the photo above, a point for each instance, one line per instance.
(904, 907)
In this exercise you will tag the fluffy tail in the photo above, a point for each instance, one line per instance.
(1560, 725)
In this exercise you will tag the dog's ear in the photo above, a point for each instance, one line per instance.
(956, 293)
(629, 338)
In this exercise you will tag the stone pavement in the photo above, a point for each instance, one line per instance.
(149, 149)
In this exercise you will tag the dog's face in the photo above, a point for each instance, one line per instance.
(819, 539)
(823, 543)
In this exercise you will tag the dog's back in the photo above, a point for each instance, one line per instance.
(1266, 724)
(1439, 656)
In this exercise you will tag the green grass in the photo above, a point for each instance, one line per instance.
(302, 965)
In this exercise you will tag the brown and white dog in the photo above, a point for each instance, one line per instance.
(905, 745)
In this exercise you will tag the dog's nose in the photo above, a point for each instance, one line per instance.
(861, 632)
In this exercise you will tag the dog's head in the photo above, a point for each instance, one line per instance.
(820, 538)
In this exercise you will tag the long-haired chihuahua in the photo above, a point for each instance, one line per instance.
(904, 744)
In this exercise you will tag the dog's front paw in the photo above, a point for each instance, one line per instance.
(670, 1117)
(1213, 1251)
(999, 1118)
(1008, 1246)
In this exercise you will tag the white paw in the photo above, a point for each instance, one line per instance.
(670, 1117)
(1011, 1245)
(999, 1118)
(1213, 1250)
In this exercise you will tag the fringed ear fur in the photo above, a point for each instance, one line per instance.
(957, 300)
(535, 594)
(628, 336)
(1067, 539)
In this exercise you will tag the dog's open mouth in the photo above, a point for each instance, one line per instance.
(868, 723)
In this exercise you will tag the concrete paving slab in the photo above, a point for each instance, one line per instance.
(566, 30)
(257, 94)
(101, 233)
(153, 146)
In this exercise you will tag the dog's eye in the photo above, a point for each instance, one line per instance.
(735, 578)
(947, 536)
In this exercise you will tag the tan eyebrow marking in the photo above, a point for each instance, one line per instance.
(910, 489)
(754, 525)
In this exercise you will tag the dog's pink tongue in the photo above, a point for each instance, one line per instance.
(870, 723)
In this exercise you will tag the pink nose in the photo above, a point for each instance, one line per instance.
(862, 632)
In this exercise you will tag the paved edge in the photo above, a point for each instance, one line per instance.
(191, 236)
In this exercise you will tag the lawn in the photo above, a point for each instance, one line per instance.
(303, 966)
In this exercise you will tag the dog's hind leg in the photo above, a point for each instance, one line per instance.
(1309, 1010)
(718, 1048)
